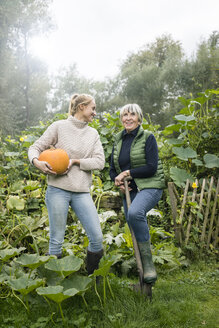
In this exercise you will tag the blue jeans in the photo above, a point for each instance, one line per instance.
(57, 202)
(141, 203)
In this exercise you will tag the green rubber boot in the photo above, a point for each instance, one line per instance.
(150, 275)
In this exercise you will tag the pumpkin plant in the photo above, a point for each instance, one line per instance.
(57, 294)
(24, 285)
(104, 270)
(65, 266)
(193, 138)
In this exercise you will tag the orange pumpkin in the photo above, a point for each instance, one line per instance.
(57, 158)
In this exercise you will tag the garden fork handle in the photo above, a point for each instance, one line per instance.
(134, 241)
(127, 193)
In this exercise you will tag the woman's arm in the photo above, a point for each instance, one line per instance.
(97, 160)
(48, 138)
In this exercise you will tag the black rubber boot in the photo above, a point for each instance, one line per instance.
(150, 275)
(93, 260)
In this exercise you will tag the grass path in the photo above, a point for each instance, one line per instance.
(186, 298)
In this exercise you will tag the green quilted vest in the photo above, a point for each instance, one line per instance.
(137, 158)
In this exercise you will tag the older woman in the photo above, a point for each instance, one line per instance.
(82, 143)
(135, 154)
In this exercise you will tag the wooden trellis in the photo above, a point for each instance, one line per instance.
(195, 215)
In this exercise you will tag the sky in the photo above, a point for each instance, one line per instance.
(98, 35)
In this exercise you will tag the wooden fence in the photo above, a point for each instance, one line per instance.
(195, 212)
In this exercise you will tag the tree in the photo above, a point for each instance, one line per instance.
(150, 77)
(21, 19)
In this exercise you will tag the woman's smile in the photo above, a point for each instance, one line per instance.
(130, 121)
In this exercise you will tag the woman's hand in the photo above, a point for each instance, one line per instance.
(43, 166)
(72, 162)
(122, 189)
(119, 179)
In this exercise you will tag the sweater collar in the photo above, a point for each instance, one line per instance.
(77, 123)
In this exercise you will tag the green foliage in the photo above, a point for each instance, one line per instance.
(181, 298)
(107, 126)
(193, 139)
(188, 149)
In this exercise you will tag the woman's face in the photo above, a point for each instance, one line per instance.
(130, 121)
(88, 112)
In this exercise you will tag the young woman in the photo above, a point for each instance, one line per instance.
(83, 146)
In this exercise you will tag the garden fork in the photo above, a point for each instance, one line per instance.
(145, 288)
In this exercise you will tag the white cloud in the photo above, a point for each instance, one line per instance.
(98, 34)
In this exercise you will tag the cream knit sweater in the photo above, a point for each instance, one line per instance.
(80, 141)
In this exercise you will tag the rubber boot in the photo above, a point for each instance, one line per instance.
(92, 261)
(150, 275)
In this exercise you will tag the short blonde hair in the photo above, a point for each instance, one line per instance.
(132, 108)
(77, 100)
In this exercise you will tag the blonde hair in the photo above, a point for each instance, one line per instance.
(77, 100)
(132, 108)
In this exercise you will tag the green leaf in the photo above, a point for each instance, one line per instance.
(56, 293)
(32, 261)
(6, 254)
(17, 187)
(211, 161)
(184, 118)
(14, 202)
(171, 128)
(65, 266)
(80, 283)
(184, 101)
(32, 185)
(104, 131)
(184, 153)
(115, 229)
(180, 176)
(24, 285)
(105, 264)
(11, 153)
(197, 162)
(174, 141)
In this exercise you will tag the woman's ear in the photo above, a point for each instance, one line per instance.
(81, 107)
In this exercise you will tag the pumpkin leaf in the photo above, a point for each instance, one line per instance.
(14, 202)
(56, 293)
(80, 283)
(6, 254)
(184, 118)
(179, 176)
(197, 162)
(171, 128)
(184, 153)
(105, 264)
(25, 284)
(65, 266)
(211, 161)
(175, 141)
(32, 261)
